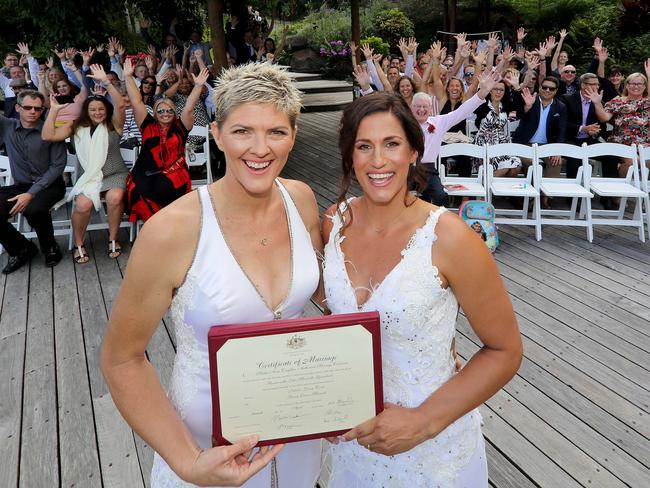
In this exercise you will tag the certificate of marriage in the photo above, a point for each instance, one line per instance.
(297, 379)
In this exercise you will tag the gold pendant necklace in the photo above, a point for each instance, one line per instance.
(264, 241)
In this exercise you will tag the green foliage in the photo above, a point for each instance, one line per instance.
(323, 25)
(391, 25)
(377, 44)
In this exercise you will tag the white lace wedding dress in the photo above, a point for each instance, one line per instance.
(217, 291)
(418, 320)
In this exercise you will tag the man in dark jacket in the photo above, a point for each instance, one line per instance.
(582, 124)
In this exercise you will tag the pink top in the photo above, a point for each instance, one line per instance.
(442, 123)
(72, 112)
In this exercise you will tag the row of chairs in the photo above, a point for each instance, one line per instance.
(63, 226)
(530, 186)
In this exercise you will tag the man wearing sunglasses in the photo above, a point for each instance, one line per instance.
(543, 120)
(568, 81)
(36, 168)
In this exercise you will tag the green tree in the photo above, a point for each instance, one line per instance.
(392, 24)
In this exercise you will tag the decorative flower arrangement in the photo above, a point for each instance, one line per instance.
(336, 55)
(335, 48)
(431, 128)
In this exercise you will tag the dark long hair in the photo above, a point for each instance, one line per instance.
(84, 118)
(358, 110)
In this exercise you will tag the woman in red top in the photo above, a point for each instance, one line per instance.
(160, 174)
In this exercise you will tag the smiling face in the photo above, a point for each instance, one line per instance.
(563, 58)
(148, 85)
(636, 87)
(16, 72)
(256, 140)
(422, 109)
(62, 87)
(53, 76)
(496, 94)
(569, 73)
(405, 88)
(616, 78)
(11, 60)
(164, 113)
(381, 157)
(97, 112)
(455, 89)
(393, 75)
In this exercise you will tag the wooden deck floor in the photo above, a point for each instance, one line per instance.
(576, 414)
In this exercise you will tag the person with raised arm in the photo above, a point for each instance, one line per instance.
(96, 135)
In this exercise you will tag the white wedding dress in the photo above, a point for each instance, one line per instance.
(418, 321)
(217, 291)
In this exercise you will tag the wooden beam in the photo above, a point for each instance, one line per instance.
(218, 34)
(356, 24)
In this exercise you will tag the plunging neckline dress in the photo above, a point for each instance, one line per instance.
(218, 291)
(418, 322)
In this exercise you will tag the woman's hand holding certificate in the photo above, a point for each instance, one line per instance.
(393, 431)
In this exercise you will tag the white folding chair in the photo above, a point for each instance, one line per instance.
(644, 160)
(512, 127)
(5, 171)
(623, 188)
(473, 186)
(470, 128)
(200, 158)
(573, 188)
(514, 187)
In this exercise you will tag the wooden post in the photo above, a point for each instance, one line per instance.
(453, 9)
(356, 25)
(218, 34)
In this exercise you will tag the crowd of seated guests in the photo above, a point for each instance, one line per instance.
(95, 102)
(540, 90)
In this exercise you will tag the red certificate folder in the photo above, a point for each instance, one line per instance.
(298, 328)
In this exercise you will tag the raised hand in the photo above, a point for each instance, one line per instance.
(23, 48)
(529, 98)
(145, 23)
(148, 61)
(542, 50)
(97, 73)
(507, 54)
(50, 62)
(120, 49)
(412, 45)
(550, 43)
(646, 66)
(54, 105)
(87, 55)
(512, 79)
(480, 58)
(603, 54)
(128, 67)
(465, 50)
(461, 38)
(202, 77)
(521, 52)
(353, 48)
(489, 78)
(362, 76)
(402, 45)
(100, 48)
(180, 72)
(270, 57)
(23, 60)
(493, 40)
(70, 53)
(532, 60)
(60, 54)
(198, 54)
(367, 51)
(436, 50)
(598, 44)
(521, 34)
(171, 53)
(563, 33)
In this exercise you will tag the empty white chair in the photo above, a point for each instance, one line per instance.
(574, 188)
(514, 187)
(200, 158)
(623, 188)
(473, 186)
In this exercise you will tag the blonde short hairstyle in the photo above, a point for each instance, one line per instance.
(256, 83)
(630, 78)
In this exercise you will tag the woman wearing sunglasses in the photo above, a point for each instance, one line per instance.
(160, 174)
(148, 90)
(96, 135)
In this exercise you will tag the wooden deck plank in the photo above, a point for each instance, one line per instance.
(569, 423)
(119, 459)
(13, 323)
(502, 473)
(78, 453)
(39, 464)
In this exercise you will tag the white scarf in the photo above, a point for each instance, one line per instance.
(91, 153)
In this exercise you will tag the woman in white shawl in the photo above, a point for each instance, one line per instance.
(96, 136)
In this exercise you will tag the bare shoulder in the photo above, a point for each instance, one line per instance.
(451, 230)
(167, 242)
(305, 200)
(326, 225)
